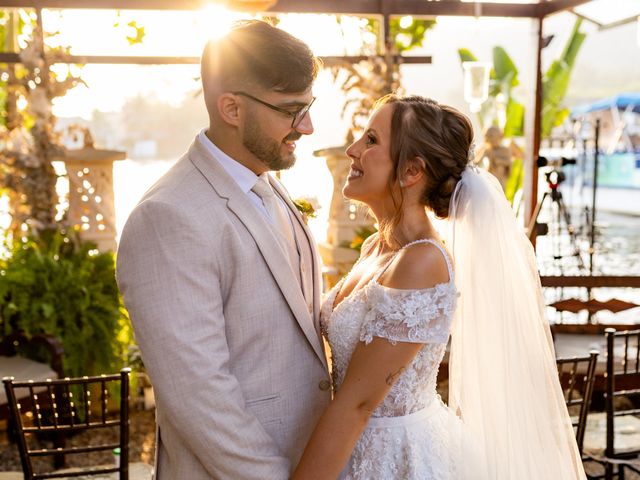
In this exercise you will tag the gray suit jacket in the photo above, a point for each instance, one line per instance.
(228, 338)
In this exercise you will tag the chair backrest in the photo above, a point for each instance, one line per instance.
(577, 375)
(71, 405)
(623, 379)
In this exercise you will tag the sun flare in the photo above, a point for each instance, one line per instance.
(217, 20)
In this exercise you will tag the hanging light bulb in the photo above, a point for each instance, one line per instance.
(476, 83)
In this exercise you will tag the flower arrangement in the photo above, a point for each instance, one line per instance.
(307, 206)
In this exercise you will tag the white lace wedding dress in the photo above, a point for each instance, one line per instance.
(412, 434)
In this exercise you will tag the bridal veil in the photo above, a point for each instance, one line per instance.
(503, 378)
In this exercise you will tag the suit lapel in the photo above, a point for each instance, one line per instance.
(264, 236)
(316, 273)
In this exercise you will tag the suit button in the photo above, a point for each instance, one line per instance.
(324, 385)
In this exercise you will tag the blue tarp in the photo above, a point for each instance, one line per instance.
(621, 101)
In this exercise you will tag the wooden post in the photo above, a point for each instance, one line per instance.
(533, 143)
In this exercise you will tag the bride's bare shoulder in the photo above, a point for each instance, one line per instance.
(418, 266)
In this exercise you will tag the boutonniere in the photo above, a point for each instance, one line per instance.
(307, 207)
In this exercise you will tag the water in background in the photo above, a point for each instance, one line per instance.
(616, 253)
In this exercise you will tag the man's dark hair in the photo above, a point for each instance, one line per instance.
(256, 53)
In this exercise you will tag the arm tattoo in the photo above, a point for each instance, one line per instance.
(391, 378)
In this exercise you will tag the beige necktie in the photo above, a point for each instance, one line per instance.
(278, 218)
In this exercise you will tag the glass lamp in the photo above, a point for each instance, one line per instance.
(476, 83)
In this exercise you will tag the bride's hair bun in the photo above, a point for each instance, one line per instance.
(439, 198)
(439, 135)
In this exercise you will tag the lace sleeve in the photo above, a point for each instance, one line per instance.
(416, 316)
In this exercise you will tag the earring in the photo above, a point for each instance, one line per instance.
(402, 184)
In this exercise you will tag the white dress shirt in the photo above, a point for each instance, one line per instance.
(244, 177)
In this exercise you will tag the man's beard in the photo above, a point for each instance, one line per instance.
(266, 149)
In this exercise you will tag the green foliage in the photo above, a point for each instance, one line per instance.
(514, 124)
(466, 56)
(3, 104)
(514, 182)
(504, 71)
(504, 76)
(58, 285)
(138, 33)
(556, 82)
(405, 37)
(410, 36)
(135, 32)
(377, 75)
(361, 235)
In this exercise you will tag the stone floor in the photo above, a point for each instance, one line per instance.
(594, 469)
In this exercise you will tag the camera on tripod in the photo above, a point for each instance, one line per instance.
(555, 162)
(555, 176)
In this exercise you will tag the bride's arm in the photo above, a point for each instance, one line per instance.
(372, 371)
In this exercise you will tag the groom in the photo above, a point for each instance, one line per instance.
(220, 274)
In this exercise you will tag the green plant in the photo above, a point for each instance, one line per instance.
(54, 283)
(504, 77)
(367, 80)
(556, 82)
(406, 32)
(361, 235)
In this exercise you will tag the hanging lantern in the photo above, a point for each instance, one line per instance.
(91, 198)
(476, 83)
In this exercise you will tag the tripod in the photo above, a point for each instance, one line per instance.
(554, 178)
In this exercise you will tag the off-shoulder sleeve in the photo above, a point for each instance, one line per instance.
(415, 316)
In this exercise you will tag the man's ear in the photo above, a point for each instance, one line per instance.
(229, 108)
(414, 172)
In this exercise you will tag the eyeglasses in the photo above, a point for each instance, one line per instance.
(296, 117)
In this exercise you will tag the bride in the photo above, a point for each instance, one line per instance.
(388, 321)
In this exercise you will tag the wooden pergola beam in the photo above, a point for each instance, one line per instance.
(139, 60)
(549, 8)
(591, 282)
(463, 9)
(356, 7)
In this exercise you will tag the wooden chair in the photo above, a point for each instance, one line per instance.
(38, 357)
(68, 405)
(623, 380)
(576, 377)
